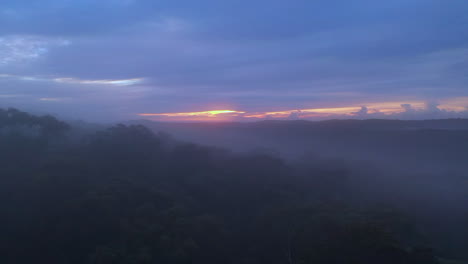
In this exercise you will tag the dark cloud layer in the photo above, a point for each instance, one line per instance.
(256, 55)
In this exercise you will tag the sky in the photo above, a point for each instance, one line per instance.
(180, 60)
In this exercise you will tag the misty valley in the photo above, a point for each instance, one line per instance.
(293, 192)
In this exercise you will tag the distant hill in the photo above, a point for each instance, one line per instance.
(372, 124)
(432, 142)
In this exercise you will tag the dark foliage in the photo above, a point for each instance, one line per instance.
(126, 195)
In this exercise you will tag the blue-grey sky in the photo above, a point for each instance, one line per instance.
(113, 59)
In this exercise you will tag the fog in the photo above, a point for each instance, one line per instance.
(233, 132)
(419, 166)
(336, 191)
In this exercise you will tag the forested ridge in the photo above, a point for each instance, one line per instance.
(127, 195)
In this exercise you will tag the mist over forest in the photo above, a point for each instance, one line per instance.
(336, 191)
(233, 132)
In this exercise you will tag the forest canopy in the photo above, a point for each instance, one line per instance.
(124, 194)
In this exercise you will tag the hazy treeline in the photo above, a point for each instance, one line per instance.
(127, 195)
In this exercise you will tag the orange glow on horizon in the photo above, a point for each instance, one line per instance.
(305, 113)
(455, 104)
(211, 113)
(384, 108)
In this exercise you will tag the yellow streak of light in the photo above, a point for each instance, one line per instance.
(212, 113)
(387, 108)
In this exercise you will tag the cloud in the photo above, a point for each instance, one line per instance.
(69, 80)
(430, 111)
(123, 82)
(362, 112)
(295, 115)
(19, 49)
(257, 56)
(52, 99)
(408, 108)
